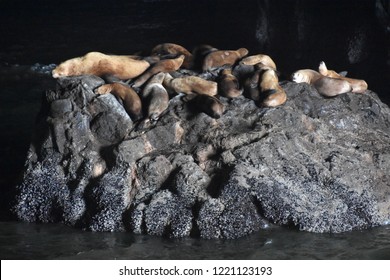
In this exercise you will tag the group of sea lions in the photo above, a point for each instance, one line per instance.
(145, 83)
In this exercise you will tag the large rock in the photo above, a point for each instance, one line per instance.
(317, 164)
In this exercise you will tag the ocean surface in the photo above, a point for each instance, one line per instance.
(53, 241)
(37, 36)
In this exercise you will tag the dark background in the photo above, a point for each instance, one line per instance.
(350, 35)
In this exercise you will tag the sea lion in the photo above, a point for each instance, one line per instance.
(272, 93)
(324, 85)
(131, 101)
(174, 49)
(156, 97)
(199, 53)
(358, 86)
(219, 58)
(209, 105)
(261, 59)
(190, 84)
(228, 85)
(122, 67)
(166, 66)
(251, 86)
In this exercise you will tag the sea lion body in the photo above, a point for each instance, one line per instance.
(217, 59)
(272, 93)
(156, 96)
(199, 53)
(251, 86)
(122, 67)
(358, 86)
(166, 66)
(131, 101)
(209, 105)
(191, 84)
(324, 85)
(261, 59)
(174, 49)
(228, 85)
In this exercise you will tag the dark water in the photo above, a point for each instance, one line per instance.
(297, 34)
(29, 241)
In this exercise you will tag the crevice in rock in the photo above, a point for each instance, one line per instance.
(91, 205)
(169, 182)
(291, 224)
(108, 155)
(195, 231)
(259, 208)
(126, 218)
(218, 180)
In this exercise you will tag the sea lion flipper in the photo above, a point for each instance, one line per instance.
(189, 96)
(268, 92)
(343, 73)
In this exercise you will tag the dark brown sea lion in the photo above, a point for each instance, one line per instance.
(199, 53)
(155, 96)
(174, 49)
(272, 93)
(190, 84)
(251, 86)
(207, 104)
(228, 85)
(166, 66)
(263, 59)
(217, 59)
(131, 101)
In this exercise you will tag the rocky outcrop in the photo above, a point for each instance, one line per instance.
(317, 164)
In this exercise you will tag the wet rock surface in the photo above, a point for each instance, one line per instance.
(317, 164)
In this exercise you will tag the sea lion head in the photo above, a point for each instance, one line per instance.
(322, 68)
(299, 77)
(227, 71)
(270, 76)
(262, 66)
(67, 68)
(181, 58)
(59, 71)
(243, 52)
(326, 72)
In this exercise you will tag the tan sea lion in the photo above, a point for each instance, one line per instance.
(190, 84)
(209, 105)
(170, 48)
(166, 66)
(262, 59)
(156, 97)
(324, 85)
(358, 86)
(228, 85)
(219, 58)
(95, 63)
(131, 101)
(272, 93)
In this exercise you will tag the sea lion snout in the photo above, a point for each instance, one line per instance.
(296, 77)
(55, 74)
